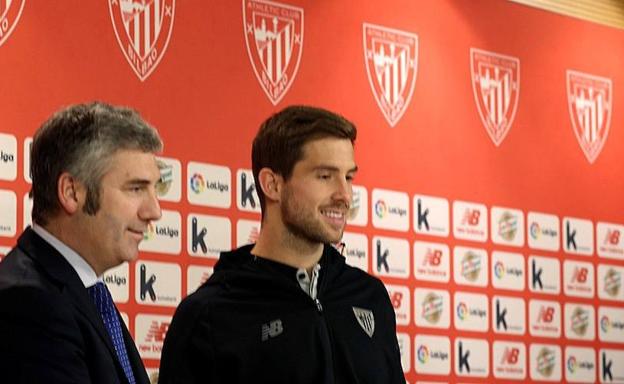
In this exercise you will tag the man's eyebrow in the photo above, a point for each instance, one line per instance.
(333, 168)
(138, 181)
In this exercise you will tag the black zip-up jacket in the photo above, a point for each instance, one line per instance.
(252, 323)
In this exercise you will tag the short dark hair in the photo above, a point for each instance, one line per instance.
(81, 139)
(279, 142)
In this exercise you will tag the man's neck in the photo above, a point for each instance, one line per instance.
(278, 244)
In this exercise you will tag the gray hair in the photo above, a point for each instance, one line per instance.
(81, 140)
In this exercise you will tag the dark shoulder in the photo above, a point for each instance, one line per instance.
(353, 280)
(17, 269)
(364, 278)
(199, 301)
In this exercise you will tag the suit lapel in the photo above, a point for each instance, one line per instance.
(69, 283)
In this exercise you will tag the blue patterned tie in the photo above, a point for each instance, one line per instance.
(104, 303)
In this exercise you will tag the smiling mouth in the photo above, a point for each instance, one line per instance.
(336, 217)
(136, 233)
(333, 214)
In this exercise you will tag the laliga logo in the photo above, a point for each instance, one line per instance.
(590, 105)
(143, 29)
(391, 58)
(380, 208)
(496, 89)
(572, 364)
(423, 354)
(534, 230)
(197, 183)
(462, 311)
(499, 270)
(605, 324)
(274, 37)
(10, 12)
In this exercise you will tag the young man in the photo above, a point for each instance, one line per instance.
(93, 188)
(288, 309)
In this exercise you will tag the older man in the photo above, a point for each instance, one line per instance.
(93, 186)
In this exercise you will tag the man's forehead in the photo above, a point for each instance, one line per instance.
(328, 153)
(134, 164)
(328, 145)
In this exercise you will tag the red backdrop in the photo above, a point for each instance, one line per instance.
(202, 89)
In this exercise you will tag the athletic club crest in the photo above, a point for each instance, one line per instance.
(10, 11)
(496, 88)
(366, 319)
(391, 58)
(143, 29)
(589, 102)
(274, 36)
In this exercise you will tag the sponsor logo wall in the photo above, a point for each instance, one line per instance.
(494, 217)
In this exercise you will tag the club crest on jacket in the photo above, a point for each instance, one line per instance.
(366, 319)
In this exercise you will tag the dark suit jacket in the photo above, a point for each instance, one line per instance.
(50, 330)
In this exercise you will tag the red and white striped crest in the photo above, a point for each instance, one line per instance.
(274, 37)
(10, 11)
(391, 58)
(496, 88)
(143, 29)
(589, 103)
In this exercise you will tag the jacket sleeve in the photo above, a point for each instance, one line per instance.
(188, 354)
(39, 342)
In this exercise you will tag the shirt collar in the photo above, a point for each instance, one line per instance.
(83, 269)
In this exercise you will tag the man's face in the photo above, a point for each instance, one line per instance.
(316, 198)
(127, 204)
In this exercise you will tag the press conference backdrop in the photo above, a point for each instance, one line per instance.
(490, 145)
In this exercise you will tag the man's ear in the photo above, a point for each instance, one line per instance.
(70, 192)
(271, 184)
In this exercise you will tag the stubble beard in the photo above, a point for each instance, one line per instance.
(301, 224)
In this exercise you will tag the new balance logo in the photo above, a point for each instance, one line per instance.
(157, 332)
(272, 329)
